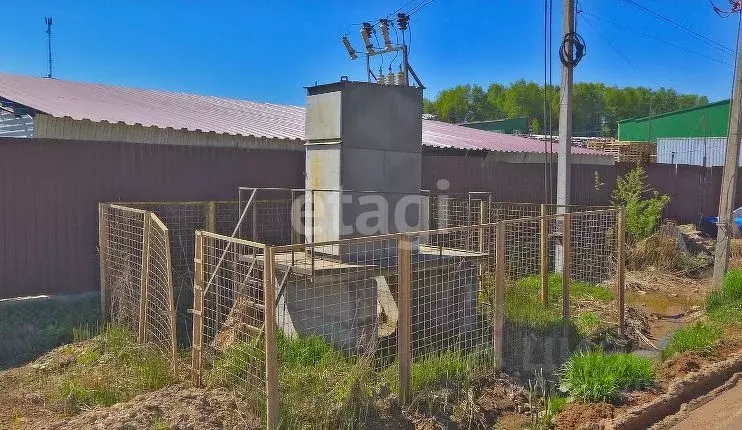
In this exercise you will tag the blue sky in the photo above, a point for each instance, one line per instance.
(269, 50)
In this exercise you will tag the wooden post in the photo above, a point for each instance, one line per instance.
(567, 268)
(102, 255)
(198, 310)
(544, 251)
(170, 297)
(144, 279)
(271, 360)
(499, 320)
(621, 275)
(404, 322)
(481, 237)
(211, 217)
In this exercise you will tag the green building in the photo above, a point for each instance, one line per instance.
(517, 125)
(709, 120)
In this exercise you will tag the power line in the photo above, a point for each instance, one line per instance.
(656, 38)
(420, 7)
(619, 52)
(697, 35)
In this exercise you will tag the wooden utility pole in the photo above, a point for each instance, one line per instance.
(729, 181)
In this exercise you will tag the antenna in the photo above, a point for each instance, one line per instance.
(49, 40)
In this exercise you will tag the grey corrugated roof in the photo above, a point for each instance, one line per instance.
(163, 109)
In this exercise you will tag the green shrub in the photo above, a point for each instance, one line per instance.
(698, 337)
(643, 203)
(725, 305)
(595, 376)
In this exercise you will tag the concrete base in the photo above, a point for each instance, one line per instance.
(354, 309)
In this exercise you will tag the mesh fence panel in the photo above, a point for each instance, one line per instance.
(136, 279)
(122, 245)
(480, 296)
(233, 337)
(183, 219)
(160, 311)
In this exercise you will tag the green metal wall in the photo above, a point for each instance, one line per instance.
(709, 120)
(507, 125)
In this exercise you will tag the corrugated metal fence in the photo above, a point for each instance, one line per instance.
(693, 151)
(49, 191)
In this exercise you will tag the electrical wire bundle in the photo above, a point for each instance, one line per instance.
(572, 50)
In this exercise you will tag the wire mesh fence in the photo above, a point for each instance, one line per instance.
(408, 312)
(136, 276)
(229, 304)
(183, 219)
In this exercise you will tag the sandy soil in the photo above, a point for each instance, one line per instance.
(721, 413)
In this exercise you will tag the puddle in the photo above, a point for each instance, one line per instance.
(667, 315)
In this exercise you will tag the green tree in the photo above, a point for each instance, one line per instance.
(643, 204)
(596, 110)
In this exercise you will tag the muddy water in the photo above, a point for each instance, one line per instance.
(667, 315)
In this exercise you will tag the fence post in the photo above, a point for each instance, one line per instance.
(198, 310)
(171, 299)
(271, 361)
(499, 320)
(404, 322)
(103, 253)
(211, 217)
(544, 251)
(621, 276)
(144, 279)
(566, 269)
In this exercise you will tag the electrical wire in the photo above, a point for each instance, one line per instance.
(572, 50)
(690, 31)
(419, 7)
(619, 52)
(654, 38)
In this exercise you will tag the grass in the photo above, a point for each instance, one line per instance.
(320, 387)
(725, 306)
(32, 327)
(698, 337)
(596, 376)
(523, 303)
(107, 369)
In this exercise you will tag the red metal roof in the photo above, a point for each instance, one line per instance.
(164, 109)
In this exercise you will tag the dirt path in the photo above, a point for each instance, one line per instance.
(721, 413)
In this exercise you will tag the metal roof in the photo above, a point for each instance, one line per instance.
(164, 109)
(157, 108)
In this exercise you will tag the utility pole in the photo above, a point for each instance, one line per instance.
(565, 109)
(49, 43)
(565, 121)
(729, 181)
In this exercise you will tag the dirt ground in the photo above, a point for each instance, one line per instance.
(721, 413)
(498, 402)
(175, 407)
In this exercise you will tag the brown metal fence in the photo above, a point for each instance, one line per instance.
(407, 312)
(136, 276)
